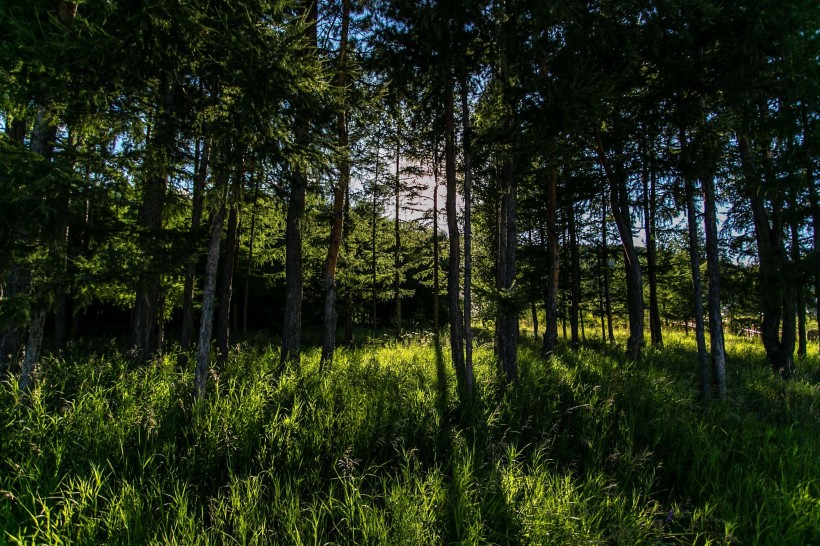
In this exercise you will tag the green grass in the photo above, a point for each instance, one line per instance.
(587, 449)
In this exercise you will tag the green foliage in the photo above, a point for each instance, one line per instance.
(587, 450)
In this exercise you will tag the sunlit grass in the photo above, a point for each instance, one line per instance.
(587, 449)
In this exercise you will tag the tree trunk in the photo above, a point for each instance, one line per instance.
(145, 316)
(697, 290)
(713, 272)
(200, 176)
(553, 260)
(634, 283)
(575, 301)
(228, 268)
(800, 298)
(294, 273)
(605, 257)
(397, 244)
(507, 329)
(250, 259)
(32, 358)
(649, 206)
(468, 237)
(779, 351)
(454, 257)
(330, 316)
(436, 258)
(208, 299)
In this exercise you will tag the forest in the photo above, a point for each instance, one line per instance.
(409, 272)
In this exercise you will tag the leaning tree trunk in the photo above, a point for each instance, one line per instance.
(713, 272)
(200, 176)
(454, 256)
(634, 282)
(208, 300)
(330, 315)
(553, 261)
(294, 272)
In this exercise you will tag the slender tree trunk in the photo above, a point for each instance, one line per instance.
(208, 301)
(599, 277)
(145, 316)
(454, 257)
(713, 271)
(779, 351)
(32, 358)
(436, 256)
(649, 205)
(694, 263)
(348, 288)
(553, 260)
(468, 237)
(330, 315)
(799, 289)
(634, 283)
(374, 217)
(576, 277)
(397, 245)
(508, 315)
(200, 176)
(294, 273)
(605, 257)
(250, 259)
(228, 268)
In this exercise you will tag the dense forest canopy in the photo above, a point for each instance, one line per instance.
(180, 171)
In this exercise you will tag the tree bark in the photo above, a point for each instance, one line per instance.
(397, 241)
(774, 292)
(605, 258)
(507, 328)
(228, 267)
(145, 316)
(553, 260)
(454, 256)
(468, 237)
(634, 282)
(294, 273)
(200, 176)
(208, 300)
(713, 271)
(649, 205)
(248, 270)
(436, 254)
(575, 301)
(330, 315)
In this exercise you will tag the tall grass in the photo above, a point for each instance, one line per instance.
(586, 449)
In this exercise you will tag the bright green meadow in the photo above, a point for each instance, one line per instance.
(586, 449)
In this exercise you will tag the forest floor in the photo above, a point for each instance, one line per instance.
(585, 449)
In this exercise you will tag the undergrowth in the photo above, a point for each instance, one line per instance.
(586, 449)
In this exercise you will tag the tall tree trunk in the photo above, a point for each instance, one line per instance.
(228, 268)
(373, 238)
(348, 289)
(454, 257)
(599, 277)
(330, 315)
(397, 243)
(649, 205)
(553, 259)
(208, 298)
(250, 257)
(468, 236)
(605, 258)
(634, 282)
(507, 328)
(713, 272)
(43, 137)
(575, 301)
(294, 273)
(800, 297)
(436, 255)
(771, 255)
(697, 290)
(203, 154)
